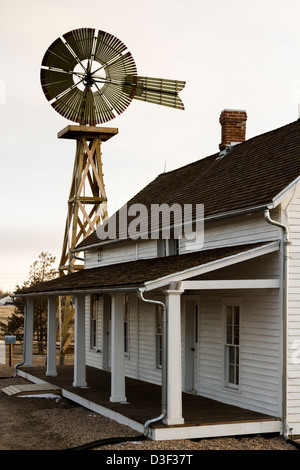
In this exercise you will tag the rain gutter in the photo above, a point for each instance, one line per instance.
(77, 292)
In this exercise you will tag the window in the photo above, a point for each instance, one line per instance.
(232, 345)
(158, 326)
(95, 306)
(126, 323)
(167, 247)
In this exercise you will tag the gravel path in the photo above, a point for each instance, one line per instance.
(57, 423)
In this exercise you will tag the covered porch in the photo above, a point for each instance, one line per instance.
(173, 414)
(203, 417)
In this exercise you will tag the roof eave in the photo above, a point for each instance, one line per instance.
(74, 292)
(287, 191)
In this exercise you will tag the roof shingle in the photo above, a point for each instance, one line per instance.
(134, 273)
(250, 174)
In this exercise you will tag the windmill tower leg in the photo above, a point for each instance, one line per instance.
(87, 208)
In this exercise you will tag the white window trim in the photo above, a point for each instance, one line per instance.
(231, 301)
(168, 247)
(94, 347)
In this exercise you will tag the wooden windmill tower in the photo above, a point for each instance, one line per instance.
(87, 203)
(89, 77)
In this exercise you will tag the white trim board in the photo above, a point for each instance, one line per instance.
(231, 284)
(216, 430)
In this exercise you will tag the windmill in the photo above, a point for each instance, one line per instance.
(90, 77)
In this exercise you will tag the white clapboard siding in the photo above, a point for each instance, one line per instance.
(293, 212)
(115, 253)
(259, 350)
(120, 253)
(233, 231)
(146, 249)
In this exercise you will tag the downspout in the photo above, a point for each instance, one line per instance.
(164, 360)
(284, 322)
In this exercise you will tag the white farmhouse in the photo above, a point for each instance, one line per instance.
(217, 316)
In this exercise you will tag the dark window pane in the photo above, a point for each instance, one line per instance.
(229, 335)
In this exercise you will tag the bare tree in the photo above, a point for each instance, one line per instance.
(40, 271)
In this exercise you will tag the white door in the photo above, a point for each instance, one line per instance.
(191, 344)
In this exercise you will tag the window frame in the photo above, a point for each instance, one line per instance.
(232, 344)
(168, 247)
(94, 311)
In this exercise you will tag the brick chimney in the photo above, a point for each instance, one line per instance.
(233, 122)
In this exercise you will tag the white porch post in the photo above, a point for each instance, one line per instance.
(79, 351)
(51, 337)
(28, 333)
(117, 349)
(174, 386)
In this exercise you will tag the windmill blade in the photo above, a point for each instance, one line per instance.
(103, 110)
(113, 90)
(84, 107)
(155, 90)
(69, 104)
(59, 56)
(121, 67)
(81, 42)
(116, 96)
(96, 108)
(108, 47)
(55, 82)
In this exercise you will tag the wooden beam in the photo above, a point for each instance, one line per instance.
(90, 132)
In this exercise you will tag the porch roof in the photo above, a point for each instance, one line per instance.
(150, 273)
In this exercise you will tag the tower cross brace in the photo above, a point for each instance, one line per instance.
(87, 203)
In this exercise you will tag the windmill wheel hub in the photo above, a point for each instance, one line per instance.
(89, 79)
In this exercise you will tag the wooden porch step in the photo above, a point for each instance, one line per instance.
(31, 389)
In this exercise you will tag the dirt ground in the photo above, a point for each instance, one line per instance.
(44, 423)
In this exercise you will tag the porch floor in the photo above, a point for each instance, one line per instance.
(203, 417)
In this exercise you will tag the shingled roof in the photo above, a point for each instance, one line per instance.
(133, 274)
(251, 174)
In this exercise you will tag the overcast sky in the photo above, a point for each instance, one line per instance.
(241, 54)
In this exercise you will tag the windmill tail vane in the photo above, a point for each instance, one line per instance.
(155, 90)
(89, 78)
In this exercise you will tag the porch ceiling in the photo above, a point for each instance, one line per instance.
(149, 273)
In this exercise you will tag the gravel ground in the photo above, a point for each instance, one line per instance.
(58, 424)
